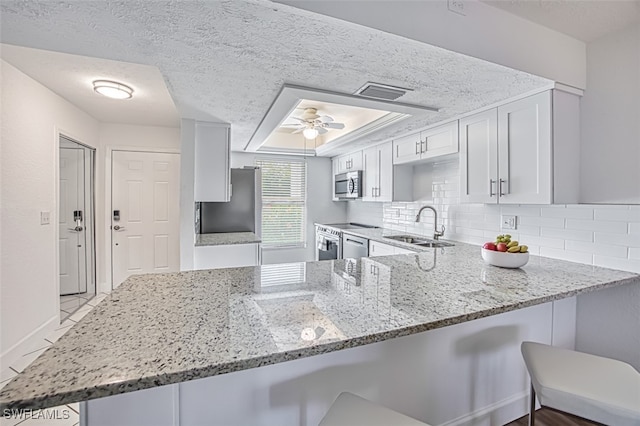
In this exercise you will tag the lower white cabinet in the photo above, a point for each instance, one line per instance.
(226, 256)
(381, 249)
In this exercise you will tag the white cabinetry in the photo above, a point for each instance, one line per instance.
(381, 181)
(349, 162)
(430, 143)
(524, 152)
(212, 170)
(226, 256)
(381, 249)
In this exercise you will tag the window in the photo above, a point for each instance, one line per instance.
(284, 196)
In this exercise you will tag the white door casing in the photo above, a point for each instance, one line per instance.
(72, 243)
(145, 191)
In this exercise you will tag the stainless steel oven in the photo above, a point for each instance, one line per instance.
(328, 243)
(348, 186)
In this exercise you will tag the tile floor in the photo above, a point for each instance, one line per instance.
(72, 309)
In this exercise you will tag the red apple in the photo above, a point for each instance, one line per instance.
(489, 246)
(501, 247)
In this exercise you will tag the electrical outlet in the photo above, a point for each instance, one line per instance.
(456, 6)
(509, 221)
(45, 218)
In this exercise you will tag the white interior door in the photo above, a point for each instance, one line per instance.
(145, 213)
(72, 241)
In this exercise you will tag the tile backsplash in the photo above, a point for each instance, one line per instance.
(603, 235)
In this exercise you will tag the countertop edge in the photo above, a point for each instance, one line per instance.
(148, 382)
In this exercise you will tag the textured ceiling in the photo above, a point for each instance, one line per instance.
(586, 20)
(227, 60)
(72, 76)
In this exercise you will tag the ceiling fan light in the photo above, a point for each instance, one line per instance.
(310, 133)
(112, 89)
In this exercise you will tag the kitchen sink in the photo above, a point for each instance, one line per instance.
(419, 241)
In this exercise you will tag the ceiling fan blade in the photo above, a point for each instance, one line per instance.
(334, 125)
(321, 130)
(299, 119)
(296, 125)
(299, 130)
(325, 119)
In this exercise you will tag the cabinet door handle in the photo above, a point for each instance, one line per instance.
(425, 145)
(502, 193)
(491, 183)
(418, 147)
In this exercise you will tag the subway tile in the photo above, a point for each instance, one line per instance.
(634, 253)
(528, 230)
(624, 215)
(571, 256)
(597, 225)
(568, 213)
(595, 248)
(551, 222)
(567, 234)
(541, 241)
(521, 210)
(629, 240)
(469, 232)
(634, 228)
(631, 265)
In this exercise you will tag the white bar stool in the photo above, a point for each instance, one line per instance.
(351, 410)
(592, 387)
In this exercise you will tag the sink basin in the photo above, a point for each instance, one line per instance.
(419, 241)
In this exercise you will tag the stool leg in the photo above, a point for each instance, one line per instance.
(532, 408)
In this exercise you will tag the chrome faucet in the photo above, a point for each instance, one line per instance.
(436, 234)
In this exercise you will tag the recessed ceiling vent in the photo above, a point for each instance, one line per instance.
(381, 91)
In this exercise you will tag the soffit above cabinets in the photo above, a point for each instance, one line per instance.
(227, 60)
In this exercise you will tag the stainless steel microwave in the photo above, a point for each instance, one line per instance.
(348, 186)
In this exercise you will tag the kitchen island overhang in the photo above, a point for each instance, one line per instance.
(163, 329)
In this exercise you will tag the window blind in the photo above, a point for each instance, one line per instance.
(284, 198)
(282, 274)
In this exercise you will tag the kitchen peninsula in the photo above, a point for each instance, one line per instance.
(439, 323)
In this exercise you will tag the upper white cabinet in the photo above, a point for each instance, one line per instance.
(430, 143)
(349, 162)
(212, 166)
(381, 181)
(523, 152)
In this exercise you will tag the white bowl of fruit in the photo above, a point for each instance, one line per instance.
(505, 253)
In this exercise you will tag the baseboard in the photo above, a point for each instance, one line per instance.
(498, 413)
(27, 343)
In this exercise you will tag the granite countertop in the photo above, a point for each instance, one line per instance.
(159, 329)
(226, 238)
(381, 235)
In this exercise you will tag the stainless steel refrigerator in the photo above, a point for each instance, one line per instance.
(242, 214)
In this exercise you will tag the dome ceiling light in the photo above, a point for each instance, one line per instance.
(113, 89)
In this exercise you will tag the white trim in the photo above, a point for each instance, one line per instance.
(107, 286)
(500, 412)
(26, 343)
(569, 89)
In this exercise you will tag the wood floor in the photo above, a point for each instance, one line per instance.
(547, 417)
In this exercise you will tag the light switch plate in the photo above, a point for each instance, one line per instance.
(509, 222)
(45, 218)
(456, 6)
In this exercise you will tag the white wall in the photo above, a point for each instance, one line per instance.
(320, 207)
(485, 32)
(32, 116)
(610, 124)
(127, 137)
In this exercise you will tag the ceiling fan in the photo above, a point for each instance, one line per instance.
(311, 124)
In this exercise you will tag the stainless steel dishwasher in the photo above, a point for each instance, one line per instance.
(354, 247)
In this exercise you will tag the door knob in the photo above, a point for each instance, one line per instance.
(76, 229)
(118, 228)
